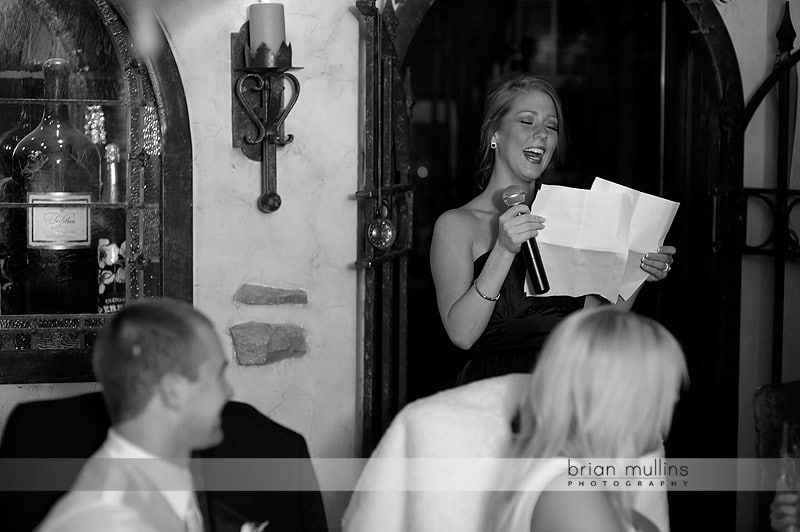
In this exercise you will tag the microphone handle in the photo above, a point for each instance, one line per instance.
(533, 262)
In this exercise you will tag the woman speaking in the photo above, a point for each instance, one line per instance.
(477, 269)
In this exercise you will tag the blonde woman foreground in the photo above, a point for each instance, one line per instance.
(605, 386)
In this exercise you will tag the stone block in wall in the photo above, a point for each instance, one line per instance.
(257, 344)
(253, 294)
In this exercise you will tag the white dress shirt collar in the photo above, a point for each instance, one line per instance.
(175, 482)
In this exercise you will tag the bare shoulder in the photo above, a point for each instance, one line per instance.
(574, 511)
(456, 221)
(456, 229)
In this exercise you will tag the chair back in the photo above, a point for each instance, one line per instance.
(772, 405)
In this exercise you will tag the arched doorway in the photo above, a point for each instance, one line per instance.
(650, 92)
(606, 67)
(686, 151)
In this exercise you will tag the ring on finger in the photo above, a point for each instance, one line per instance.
(667, 268)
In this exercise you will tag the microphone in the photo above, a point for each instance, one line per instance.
(514, 195)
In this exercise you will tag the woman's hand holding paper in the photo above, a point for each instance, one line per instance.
(658, 264)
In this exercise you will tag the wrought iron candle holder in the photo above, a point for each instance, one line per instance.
(259, 109)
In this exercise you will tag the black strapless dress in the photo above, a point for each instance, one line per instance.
(517, 329)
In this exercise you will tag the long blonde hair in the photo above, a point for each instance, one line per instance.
(605, 386)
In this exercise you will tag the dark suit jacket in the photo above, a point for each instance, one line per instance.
(75, 427)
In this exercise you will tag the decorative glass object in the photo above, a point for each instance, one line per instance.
(56, 170)
(9, 141)
(112, 254)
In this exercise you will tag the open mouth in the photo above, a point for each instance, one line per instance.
(534, 155)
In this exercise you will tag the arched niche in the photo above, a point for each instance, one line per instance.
(143, 106)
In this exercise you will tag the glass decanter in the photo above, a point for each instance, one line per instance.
(8, 141)
(55, 169)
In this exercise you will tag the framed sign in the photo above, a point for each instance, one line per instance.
(59, 223)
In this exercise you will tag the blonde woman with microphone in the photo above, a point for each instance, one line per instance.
(478, 272)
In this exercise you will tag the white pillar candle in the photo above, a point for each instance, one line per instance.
(266, 26)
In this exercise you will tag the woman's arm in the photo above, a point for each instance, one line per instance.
(463, 310)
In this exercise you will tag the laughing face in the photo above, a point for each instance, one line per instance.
(528, 136)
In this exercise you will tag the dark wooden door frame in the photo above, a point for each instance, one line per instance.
(720, 164)
(385, 196)
(702, 302)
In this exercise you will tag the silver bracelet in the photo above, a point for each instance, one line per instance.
(484, 296)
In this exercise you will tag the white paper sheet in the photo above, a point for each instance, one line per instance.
(594, 239)
(652, 218)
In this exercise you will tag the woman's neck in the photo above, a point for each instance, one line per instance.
(501, 179)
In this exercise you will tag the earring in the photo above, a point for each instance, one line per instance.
(493, 145)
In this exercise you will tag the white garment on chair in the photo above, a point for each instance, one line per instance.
(470, 421)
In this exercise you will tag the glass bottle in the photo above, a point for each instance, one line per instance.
(112, 184)
(111, 247)
(9, 141)
(53, 254)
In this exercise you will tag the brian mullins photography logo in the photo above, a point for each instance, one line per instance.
(627, 474)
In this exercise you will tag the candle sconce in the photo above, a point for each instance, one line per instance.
(258, 107)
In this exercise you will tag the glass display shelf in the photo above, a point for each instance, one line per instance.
(68, 101)
(61, 341)
(91, 205)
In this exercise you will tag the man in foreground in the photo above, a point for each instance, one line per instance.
(162, 369)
